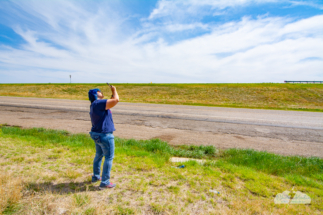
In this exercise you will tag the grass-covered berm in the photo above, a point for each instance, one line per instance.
(266, 96)
(49, 172)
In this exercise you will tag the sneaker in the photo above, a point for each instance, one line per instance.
(107, 186)
(96, 180)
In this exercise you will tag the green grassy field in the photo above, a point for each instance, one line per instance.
(49, 172)
(308, 97)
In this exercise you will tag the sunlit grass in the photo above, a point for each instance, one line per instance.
(268, 96)
(146, 181)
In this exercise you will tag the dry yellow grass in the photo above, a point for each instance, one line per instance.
(10, 191)
(268, 96)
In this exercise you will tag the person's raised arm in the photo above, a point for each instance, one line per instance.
(114, 98)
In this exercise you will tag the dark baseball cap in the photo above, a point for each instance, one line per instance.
(93, 94)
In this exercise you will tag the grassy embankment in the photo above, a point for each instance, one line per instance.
(48, 172)
(308, 97)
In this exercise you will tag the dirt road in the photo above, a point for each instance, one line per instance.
(282, 132)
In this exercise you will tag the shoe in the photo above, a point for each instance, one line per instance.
(96, 180)
(107, 186)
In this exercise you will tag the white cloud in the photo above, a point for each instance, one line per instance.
(179, 8)
(307, 3)
(95, 46)
(183, 27)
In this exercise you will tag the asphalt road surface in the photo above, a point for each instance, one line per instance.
(283, 132)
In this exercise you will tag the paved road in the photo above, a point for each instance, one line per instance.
(185, 124)
(274, 118)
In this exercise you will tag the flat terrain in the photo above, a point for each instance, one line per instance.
(307, 97)
(49, 172)
(282, 132)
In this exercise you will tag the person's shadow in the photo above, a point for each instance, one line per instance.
(62, 188)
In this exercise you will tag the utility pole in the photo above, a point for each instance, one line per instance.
(70, 79)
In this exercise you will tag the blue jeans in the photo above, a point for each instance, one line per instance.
(104, 145)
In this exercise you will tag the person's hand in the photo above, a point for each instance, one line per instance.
(113, 88)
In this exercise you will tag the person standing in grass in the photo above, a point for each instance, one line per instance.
(102, 134)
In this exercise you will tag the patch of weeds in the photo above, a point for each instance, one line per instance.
(180, 183)
(50, 178)
(196, 151)
(90, 211)
(213, 202)
(32, 160)
(160, 160)
(190, 199)
(193, 184)
(11, 209)
(54, 156)
(140, 198)
(155, 182)
(81, 199)
(124, 210)
(59, 150)
(71, 174)
(17, 159)
(6, 163)
(126, 203)
(228, 184)
(174, 189)
(157, 208)
(229, 177)
(33, 151)
(203, 198)
(171, 207)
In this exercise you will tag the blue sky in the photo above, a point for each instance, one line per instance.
(137, 41)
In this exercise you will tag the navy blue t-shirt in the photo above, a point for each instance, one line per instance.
(101, 119)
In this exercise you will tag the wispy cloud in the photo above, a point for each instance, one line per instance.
(314, 4)
(185, 8)
(94, 42)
